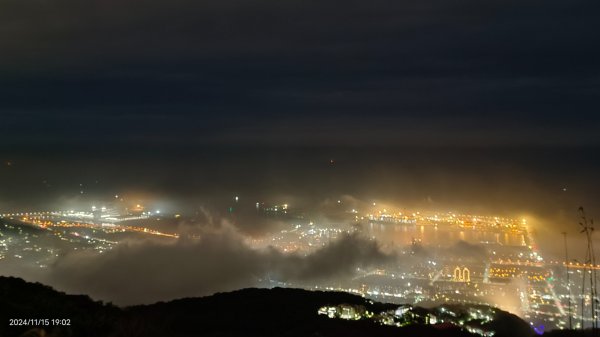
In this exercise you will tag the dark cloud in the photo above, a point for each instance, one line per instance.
(460, 250)
(463, 249)
(220, 261)
(337, 260)
(299, 72)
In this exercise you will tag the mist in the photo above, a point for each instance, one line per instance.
(141, 272)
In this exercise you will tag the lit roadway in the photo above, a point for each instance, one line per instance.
(36, 220)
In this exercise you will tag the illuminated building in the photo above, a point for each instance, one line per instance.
(463, 275)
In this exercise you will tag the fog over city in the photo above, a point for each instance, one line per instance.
(422, 151)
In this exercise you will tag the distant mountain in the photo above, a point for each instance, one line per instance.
(247, 312)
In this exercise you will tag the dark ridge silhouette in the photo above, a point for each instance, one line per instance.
(247, 312)
(23, 300)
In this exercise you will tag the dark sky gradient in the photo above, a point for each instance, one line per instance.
(490, 104)
(433, 72)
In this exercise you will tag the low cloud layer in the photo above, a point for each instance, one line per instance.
(220, 261)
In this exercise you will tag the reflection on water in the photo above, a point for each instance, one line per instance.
(441, 235)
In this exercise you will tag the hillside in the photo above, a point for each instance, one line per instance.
(247, 312)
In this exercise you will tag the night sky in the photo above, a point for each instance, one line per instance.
(483, 106)
(465, 103)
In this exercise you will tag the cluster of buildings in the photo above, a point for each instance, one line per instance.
(444, 258)
(441, 257)
(36, 239)
(474, 319)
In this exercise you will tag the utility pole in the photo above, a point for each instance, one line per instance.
(590, 262)
(568, 281)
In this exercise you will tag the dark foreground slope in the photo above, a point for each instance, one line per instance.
(248, 312)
